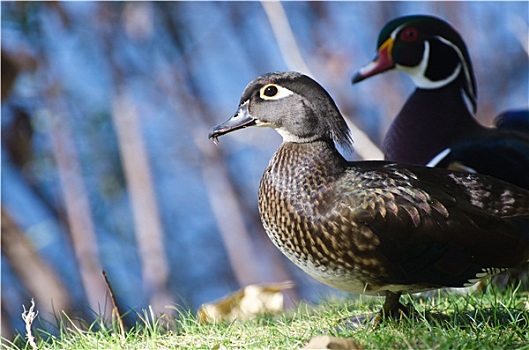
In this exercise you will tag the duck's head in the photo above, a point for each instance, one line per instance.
(293, 104)
(428, 49)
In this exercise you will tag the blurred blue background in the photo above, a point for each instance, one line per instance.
(106, 163)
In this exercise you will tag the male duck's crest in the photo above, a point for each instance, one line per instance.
(429, 50)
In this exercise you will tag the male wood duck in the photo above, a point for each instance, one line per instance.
(373, 227)
(436, 124)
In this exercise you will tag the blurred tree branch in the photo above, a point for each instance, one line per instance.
(148, 227)
(36, 275)
(79, 215)
(134, 156)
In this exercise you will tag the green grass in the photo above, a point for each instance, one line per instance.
(490, 320)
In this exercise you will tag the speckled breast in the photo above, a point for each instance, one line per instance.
(301, 215)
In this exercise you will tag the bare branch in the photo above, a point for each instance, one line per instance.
(284, 36)
(115, 311)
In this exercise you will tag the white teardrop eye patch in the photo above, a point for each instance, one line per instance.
(274, 92)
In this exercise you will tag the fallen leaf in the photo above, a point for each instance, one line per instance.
(245, 303)
(329, 342)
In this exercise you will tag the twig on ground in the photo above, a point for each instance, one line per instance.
(115, 310)
(28, 316)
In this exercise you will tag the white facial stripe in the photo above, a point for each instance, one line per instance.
(394, 33)
(281, 92)
(417, 73)
(464, 63)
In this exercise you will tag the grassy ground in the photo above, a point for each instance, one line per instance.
(490, 320)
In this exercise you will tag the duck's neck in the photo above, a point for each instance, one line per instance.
(295, 161)
(429, 121)
(299, 175)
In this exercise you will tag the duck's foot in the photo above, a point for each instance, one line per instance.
(393, 309)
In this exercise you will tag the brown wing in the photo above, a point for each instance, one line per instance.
(437, 228)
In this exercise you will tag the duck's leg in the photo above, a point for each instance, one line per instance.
(392, 308)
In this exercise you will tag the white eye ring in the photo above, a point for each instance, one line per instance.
(280, 92)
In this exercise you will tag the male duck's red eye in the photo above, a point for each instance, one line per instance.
(409, 34)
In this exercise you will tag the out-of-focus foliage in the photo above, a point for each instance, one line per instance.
(105, 158)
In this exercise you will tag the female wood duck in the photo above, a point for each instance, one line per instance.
(436, 124)
(373, 227)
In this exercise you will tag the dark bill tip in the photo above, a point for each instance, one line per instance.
(239, 120)
(358, 77)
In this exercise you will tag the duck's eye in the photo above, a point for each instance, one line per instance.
(274, 92)
(409, 34)
(270, 91)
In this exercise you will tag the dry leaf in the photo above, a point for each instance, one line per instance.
(328, 342)
(245, 303)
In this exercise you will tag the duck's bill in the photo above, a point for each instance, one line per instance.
(381, 63)
(239, 120)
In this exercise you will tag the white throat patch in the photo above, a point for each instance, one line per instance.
(289, 137)
(417, 73)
